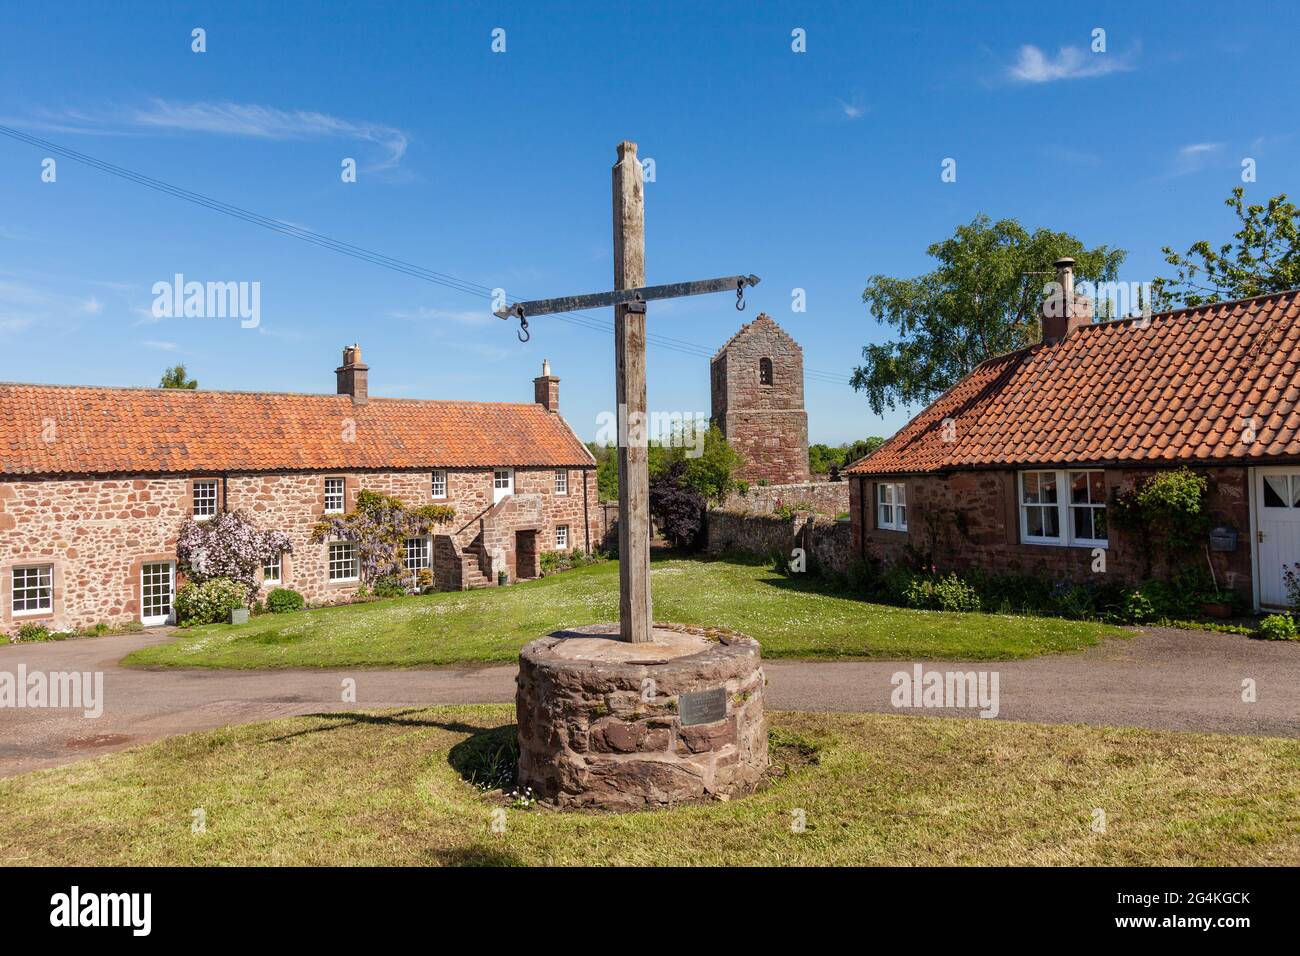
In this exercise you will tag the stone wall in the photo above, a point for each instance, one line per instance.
(823, 497)
(764, 421)
(826, 541)
(972, 519)
(96, 532)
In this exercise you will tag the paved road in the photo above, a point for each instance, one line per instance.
(1163, 679)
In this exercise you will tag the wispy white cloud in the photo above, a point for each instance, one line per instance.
(226, 119)
(23, 306)
(161, 346)
(440, 316)
(854, 109)
(1070, 63)
(1195, 156)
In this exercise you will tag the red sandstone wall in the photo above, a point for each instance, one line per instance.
(96, 532)
(991, 539)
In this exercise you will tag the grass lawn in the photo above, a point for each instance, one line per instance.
(383, 788)
(790, 617)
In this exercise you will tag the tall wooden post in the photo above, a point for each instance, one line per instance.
(634, 618)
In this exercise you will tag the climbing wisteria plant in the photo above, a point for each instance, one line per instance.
(379, 526)
(228, 545)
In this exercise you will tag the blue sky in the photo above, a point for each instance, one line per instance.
(813, 170)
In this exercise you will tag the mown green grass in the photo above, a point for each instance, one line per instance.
(789, 617)
(382, 788)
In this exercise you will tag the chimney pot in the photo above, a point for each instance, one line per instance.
(1063, 312)
(353, 376)
(546, 388)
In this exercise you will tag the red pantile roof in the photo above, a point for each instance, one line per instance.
(1183, 386)
(55, 429)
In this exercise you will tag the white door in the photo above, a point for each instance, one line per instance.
(1277, 536)
(503, 483)
(157, 589)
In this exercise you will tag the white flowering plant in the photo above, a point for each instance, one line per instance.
(228, 546)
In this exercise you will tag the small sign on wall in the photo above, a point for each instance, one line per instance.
(702, 706)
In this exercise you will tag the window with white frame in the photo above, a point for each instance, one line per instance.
(561, 481)
(501, 479)
(333, 495)
(205, 499)
(415, 553)
(438, 486)
(891, 505)
(343, 561)
(561, 535)
(1063, 507)
(33, 590)
(272, 571)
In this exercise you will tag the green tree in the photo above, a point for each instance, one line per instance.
(709, 472)
(1263, 257)
(175, 377)
(606, 470)
(822, 457)
(982, 300)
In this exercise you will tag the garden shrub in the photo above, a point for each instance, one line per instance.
(941, 593)
(1138, 608)
(210, 601)
(1279, 627)
(33, 632)
(388, 586)
(284, 600)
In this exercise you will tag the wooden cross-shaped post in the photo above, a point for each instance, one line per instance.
(629, 299)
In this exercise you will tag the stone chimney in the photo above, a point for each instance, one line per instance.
(546, 388)
(1063, 311)
(353, 376)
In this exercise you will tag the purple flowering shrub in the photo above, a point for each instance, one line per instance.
(228, 546)
(379, 526)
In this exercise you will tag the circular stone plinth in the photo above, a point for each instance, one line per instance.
(602, 722)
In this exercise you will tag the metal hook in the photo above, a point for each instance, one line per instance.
(523, 324)
(740, 296)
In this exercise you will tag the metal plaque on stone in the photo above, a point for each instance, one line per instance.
(702, 706)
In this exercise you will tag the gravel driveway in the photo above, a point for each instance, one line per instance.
(1161, 679)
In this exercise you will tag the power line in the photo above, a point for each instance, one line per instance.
(577, 319)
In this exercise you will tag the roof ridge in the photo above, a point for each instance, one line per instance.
(269, 394)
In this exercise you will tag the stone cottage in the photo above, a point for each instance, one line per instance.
(756, 385)
(1012, 469)
(96, 483)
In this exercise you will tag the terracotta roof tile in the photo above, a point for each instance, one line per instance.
(55, 429)
(1179, 387)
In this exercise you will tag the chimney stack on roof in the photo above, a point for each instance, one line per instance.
(353, 376)
(546, 388)
(1063, 311)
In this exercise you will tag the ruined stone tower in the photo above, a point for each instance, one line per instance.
(757, 390)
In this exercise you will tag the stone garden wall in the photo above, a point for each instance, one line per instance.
(827, 542)
(823, 497)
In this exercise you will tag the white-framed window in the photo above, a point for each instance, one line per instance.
(561, 481)
(33, 590)
(205, 499)
(561, 535)
(503, 483)
(333, 495)
(1063, 507)
(438, 484)
(343, 561)
(273, 570)
(415, 553)
(891, 505)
